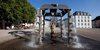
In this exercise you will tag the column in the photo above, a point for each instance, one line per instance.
(70, 23)
(43, 27)
(40, 27)
(61, 26)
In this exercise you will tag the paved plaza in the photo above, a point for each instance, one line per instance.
(89, 39)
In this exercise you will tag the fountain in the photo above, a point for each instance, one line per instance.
(75, 39)
(71, 37)
(33, 42)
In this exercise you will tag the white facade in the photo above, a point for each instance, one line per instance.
(82, 20)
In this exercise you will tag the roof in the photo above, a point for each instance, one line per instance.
(54, 6)
(97, 18)
(82, 13)
(53, 9)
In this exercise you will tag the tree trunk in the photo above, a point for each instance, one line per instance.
(3, 24)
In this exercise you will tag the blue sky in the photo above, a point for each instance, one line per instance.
(90, 6)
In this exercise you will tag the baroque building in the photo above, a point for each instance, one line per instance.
(82, 19)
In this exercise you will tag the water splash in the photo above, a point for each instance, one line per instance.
(77, 44)
(32, 43)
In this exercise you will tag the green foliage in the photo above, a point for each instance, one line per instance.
(16, 11)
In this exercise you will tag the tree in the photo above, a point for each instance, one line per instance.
(16, 11)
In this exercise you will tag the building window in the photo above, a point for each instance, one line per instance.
(82, 17)
(78, 13)
(81, 20)
(85, 17)
(88, 20)
(85, 20)
(81, 23)
(85, 23)
(78, 23)
(88, 24)
(78, 20)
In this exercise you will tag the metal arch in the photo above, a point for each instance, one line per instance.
(54, 6)
(53, 9)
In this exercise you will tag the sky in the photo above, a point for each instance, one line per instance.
(90, 6)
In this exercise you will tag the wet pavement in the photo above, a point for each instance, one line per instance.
(21, 44)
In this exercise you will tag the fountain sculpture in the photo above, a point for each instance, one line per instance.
(71, 36)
